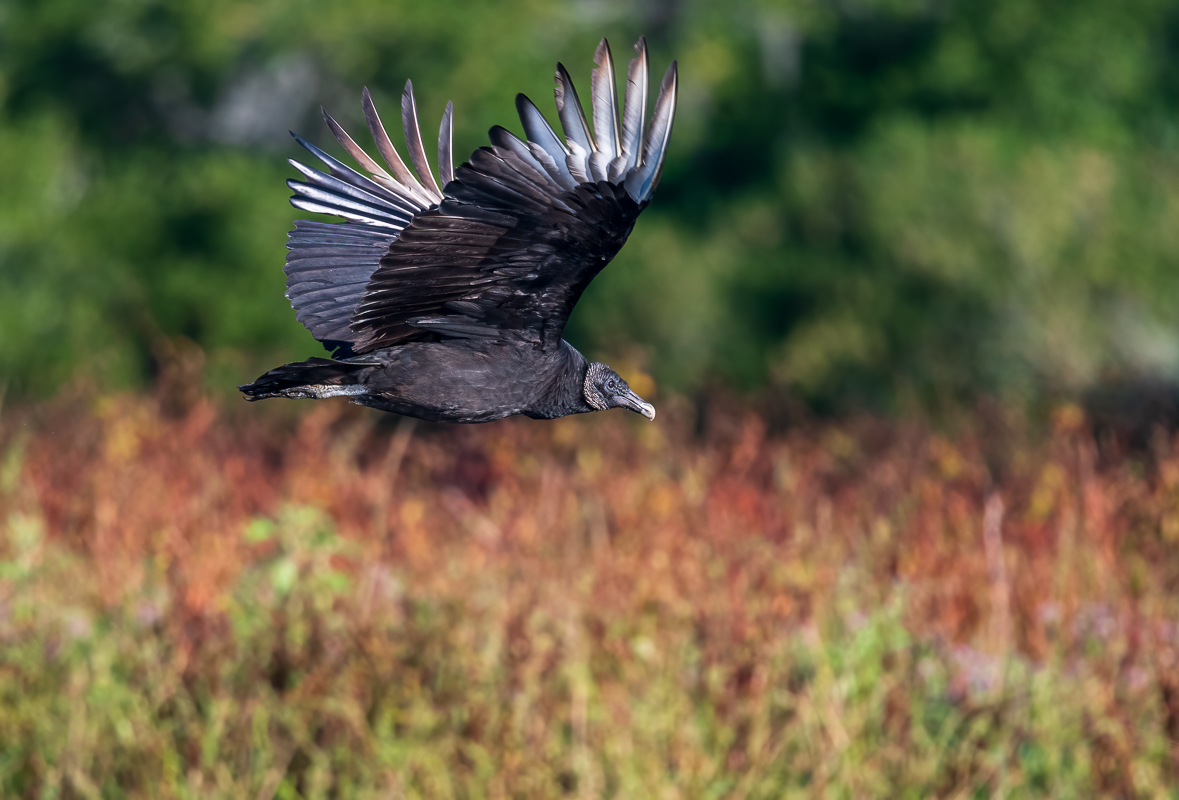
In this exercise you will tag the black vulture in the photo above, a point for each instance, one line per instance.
(449, 303)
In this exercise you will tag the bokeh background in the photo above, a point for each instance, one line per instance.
(907, 524)
(883, 203)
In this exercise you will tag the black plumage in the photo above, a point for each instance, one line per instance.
(449, 303)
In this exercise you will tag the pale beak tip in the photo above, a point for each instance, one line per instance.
(648, 411)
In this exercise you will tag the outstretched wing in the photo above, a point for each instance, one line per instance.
(330, 264)
(525, 225)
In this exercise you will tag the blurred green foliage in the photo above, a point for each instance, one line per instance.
(878, 201)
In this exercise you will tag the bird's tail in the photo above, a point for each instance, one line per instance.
(314, 378)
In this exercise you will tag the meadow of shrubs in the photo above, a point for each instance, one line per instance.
(199, 600)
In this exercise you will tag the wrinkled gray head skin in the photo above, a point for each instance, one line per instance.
(604, 389)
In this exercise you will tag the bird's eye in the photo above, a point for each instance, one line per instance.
(610, 385)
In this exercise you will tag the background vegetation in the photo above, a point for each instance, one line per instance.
(899, 206)
(196, 603)
(891, 203)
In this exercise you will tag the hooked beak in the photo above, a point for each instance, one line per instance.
(635, 403)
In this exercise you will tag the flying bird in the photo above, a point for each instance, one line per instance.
(446, 300)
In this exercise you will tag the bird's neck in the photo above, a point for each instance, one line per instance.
(565, 394)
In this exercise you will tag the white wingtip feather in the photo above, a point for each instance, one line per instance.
(604, 101)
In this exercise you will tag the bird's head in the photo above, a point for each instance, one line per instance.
(605, 389)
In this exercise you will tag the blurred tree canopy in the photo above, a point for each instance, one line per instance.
(866, 201)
